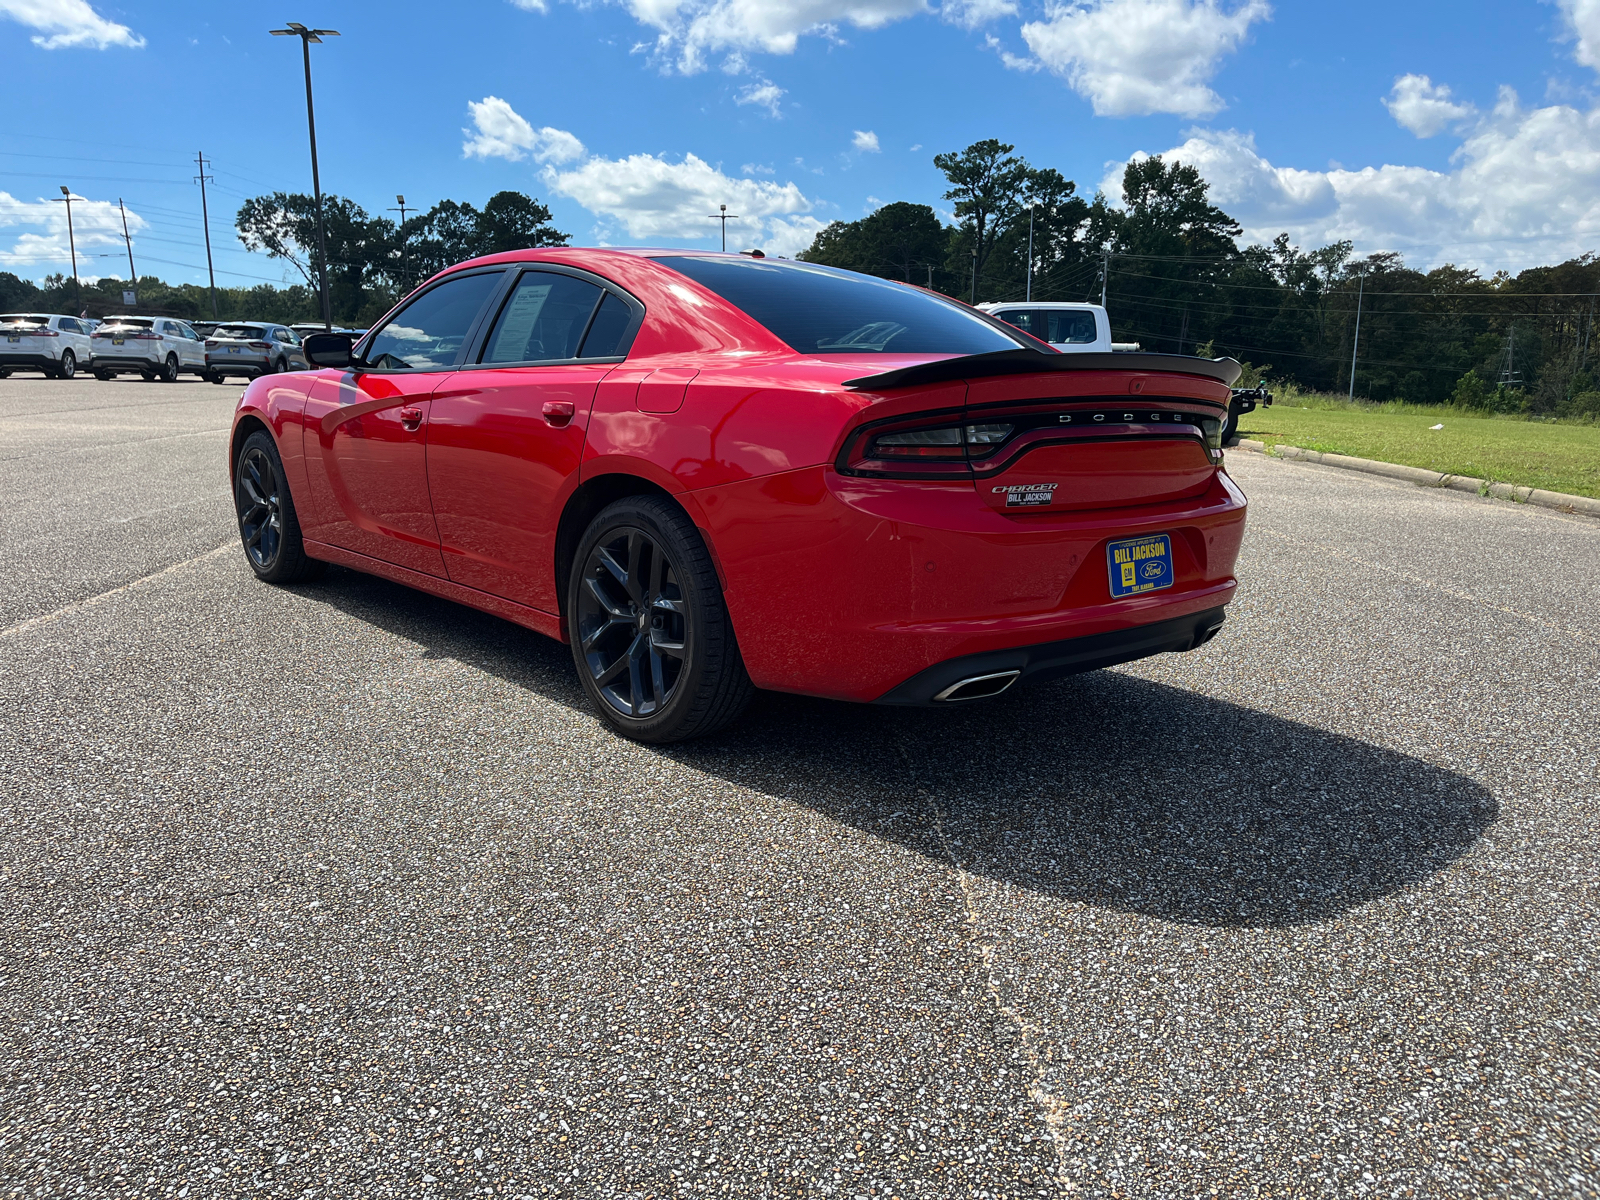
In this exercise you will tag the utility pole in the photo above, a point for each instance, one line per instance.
(405, 266)
(930, 275)
(72, 245)
(724, 216)
(205, 223)
(1028, 295)
(974, 274)
(133, 276)
(307, 36)
(1355, 343)
(1105, 273)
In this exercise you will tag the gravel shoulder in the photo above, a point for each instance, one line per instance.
(340, 888)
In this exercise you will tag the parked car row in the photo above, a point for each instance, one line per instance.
(150, 347)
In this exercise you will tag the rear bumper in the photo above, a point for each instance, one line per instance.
(851, 588)
(122, 362)
(998, 670)
(36, 361)
(235, 364)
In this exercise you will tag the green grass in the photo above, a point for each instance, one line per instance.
(1558, 457)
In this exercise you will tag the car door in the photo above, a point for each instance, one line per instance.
(505, 438)
(193, 354)
(366, 430)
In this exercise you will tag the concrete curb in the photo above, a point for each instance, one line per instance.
(1559, 501)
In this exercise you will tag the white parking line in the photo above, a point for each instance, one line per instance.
(78, 605)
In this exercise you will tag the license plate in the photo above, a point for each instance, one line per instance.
(13, 337)
(118, 341)
(1140, 565)
(233, 350)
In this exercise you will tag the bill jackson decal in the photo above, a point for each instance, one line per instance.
(1028, 495)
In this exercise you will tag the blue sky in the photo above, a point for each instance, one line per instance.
(1466, 132)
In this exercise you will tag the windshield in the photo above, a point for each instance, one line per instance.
(824, 310)
(242, 332)
(23, 319)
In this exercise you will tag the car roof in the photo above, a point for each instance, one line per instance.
(998, 304)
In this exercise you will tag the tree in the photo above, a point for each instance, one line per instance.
(987, 183)
(898, 241)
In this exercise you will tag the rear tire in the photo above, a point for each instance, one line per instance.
(69, 365)
(268, 526)
(651, 637)
(169, 369)
(105, 376)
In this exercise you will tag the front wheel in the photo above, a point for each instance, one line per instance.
(267, 522)
(650, 632)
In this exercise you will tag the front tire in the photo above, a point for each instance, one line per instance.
(268, 526)
(650, 632)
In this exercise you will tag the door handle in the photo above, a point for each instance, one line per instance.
(411, 418)
(559, 412)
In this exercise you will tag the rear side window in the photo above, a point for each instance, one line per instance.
(609, 328)
(544, 319)
(1070, 326)
(428, 333)
(823, 310)
(1024, 319)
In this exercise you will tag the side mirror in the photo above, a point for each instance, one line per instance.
(330, 350)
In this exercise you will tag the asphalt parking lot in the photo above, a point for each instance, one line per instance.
(340, 891)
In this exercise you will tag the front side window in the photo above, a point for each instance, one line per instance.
(428, 333)
(823, 310)
(545, 318)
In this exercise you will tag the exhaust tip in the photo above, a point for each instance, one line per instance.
(978, 687)
(1206, 634)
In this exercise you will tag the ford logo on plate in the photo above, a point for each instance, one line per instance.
(1154, 569)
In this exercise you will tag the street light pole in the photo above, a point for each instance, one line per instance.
(724, 216)
(72, 246)
(405, 265)
(1029, 295)
(307, 36)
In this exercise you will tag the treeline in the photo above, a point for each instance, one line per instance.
(1176, 279)
(372, 261)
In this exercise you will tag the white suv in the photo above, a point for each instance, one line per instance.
(41, 342)
(155, 347)
(1070, 328)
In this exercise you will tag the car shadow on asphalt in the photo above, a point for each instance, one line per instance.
(1104, 789)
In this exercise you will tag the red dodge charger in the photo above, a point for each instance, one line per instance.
(711, 473)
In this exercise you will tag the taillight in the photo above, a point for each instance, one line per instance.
(211, 343)
(34, 331)
(260, 345)
(947, 442)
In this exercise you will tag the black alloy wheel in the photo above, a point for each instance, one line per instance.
(169, 369)
(267, 523)
(69, 365)
(649, 628)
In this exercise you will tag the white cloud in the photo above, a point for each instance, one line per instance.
(866, 141)
(970, 14)
(536, 6)
(1583, 20)
(651, 198)
(1135, 57)
(67, 23)
(1523, 189)
(95, 223)
(756, 169)
(694, 29)
(1423, 107)
(763, 94)
(502, 133)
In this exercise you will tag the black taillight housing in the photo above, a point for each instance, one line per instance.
(949, 442)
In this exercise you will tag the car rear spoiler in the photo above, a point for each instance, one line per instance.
(1028, 362)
